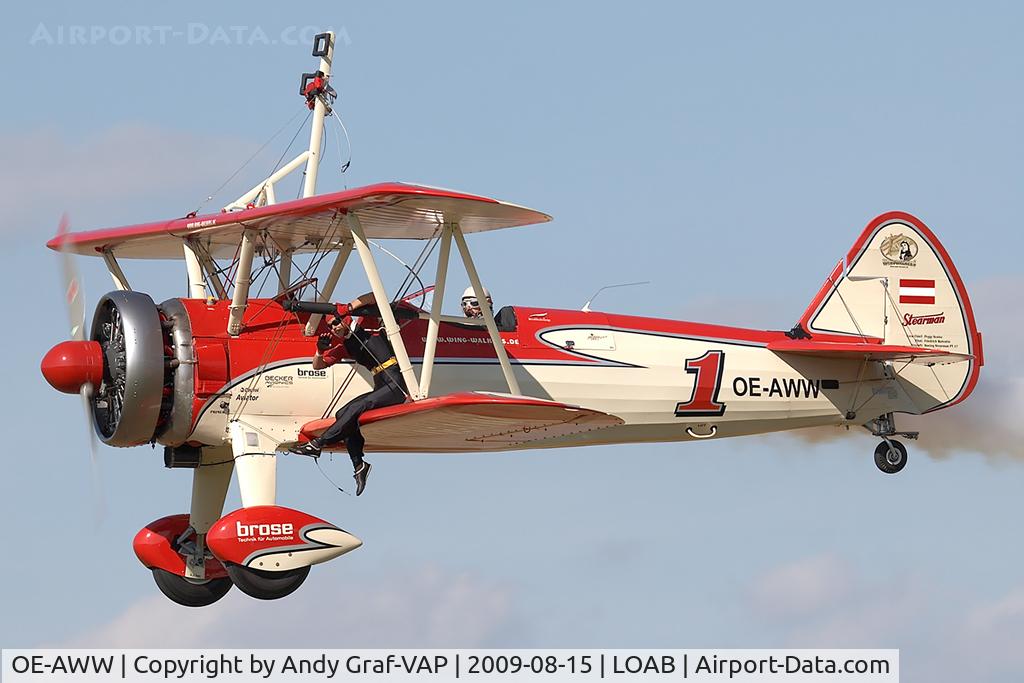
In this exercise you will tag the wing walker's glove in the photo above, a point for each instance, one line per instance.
(343, 309)
(323, 343)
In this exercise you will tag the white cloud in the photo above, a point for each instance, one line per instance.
(821, 601)
(801, 588)
(988, 421)
(422, 608)
(943, 635)
(995, 630)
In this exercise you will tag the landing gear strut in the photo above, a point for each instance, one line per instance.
(890, 455)
(183, 568)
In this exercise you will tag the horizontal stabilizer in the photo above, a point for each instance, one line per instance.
(877, 352)
(469, 421)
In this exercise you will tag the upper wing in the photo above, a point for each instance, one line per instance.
(470, 421)
(879, 352)
(386, 211)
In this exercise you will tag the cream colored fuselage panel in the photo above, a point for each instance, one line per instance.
(639, 377)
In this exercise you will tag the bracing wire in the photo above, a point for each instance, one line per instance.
(412, 272)
(323, 146)
(290, 143)
(348, 141)
(340, 392)
(417, 265)
(247, 161)
(333, 483)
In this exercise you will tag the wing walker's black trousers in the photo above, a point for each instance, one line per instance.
(346, 425)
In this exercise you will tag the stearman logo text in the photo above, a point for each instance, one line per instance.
(899, 249)
(930, 319)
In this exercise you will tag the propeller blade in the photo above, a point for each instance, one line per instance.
(74, 301)
(98, 495)
(74, 297)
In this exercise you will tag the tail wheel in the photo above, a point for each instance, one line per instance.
(891, 456)
(190, 593)
(264, 585)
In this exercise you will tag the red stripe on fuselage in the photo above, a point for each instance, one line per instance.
(271, 334)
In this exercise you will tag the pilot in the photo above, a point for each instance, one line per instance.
(373, 351)
(471, 305)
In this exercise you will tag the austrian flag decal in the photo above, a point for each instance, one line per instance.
(917, 291)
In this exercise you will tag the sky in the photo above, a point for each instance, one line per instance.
(729, 153)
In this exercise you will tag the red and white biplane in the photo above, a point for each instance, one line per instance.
(224, 380)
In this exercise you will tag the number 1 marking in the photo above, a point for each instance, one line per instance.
(704, 401)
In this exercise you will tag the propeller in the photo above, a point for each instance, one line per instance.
(74, 300)
(73, 297)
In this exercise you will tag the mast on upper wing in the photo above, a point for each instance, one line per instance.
(316, 89)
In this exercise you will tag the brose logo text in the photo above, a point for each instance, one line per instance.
(249, 530)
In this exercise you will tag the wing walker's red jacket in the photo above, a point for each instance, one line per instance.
(374, 353)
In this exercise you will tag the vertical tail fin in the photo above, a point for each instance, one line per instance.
(897, 285)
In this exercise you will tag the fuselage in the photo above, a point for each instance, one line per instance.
(667, 380)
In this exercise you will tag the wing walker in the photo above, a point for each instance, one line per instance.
(224, 378)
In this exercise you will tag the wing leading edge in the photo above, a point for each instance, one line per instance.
(386, 211)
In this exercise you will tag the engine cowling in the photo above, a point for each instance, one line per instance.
(139, 362)
(127, 404)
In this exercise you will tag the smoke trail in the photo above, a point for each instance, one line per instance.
(991, 420)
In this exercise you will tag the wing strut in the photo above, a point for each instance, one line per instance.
(328, 289)
(194, 269)
(492, 328)
(284, 274)
(120, 281)
(207, 262)
(433, 327)
(386, 314)
(240, 297)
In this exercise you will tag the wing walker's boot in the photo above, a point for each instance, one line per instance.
(362, 472)
(312, 448)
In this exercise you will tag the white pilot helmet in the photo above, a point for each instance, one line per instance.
(470, 304)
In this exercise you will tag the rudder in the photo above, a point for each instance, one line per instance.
(897, 285)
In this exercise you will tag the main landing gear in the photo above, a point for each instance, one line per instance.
(264, 585)
(190, 592)
(187, 572)
(183, 567)
(890, 454)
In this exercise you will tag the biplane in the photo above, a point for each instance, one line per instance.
(223, 379)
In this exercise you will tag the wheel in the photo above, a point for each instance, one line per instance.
(265, 585)
(190, 593)
(891, 460)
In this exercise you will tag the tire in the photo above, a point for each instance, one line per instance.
(264, 585)
(189, 593)
(882, 460)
